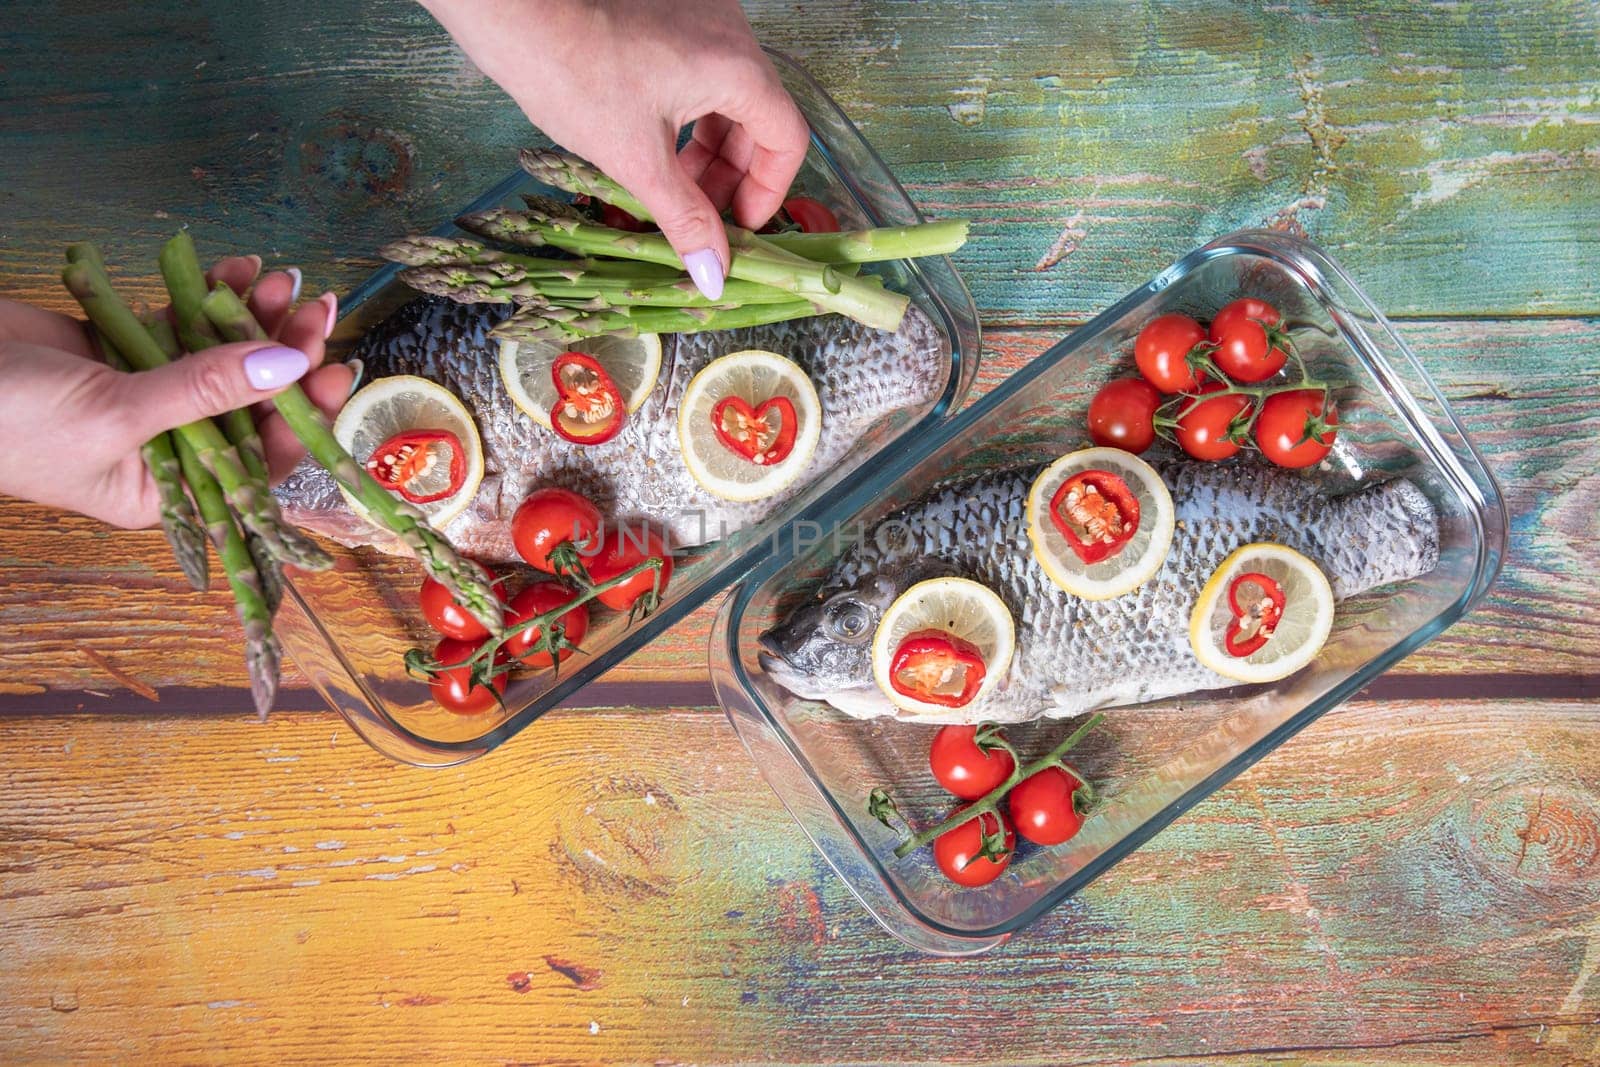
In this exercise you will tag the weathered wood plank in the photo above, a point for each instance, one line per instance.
(601, 896)
(71, 582)
(1091, 144)
(1095, 143)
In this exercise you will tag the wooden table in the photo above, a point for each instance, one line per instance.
(1414, 879)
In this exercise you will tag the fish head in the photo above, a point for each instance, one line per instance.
(823, 649)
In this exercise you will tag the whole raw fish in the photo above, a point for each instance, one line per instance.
(864, 378)
(1073, 655)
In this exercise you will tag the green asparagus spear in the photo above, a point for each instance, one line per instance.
(542, 324)
(462, 577)
(422, 250)
(186, 285)
(85, 278)
(268, 569)
(562, 170)
(752, 260)
(246, 575)
(875, 245)
(261, 653)
(505, 284)
(178, 520)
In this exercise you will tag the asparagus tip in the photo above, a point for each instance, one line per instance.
(263, 661)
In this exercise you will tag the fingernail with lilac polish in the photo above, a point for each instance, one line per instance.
(332, 303)
(294, 273)
(276, 367)
(256, 260)
(706, 270)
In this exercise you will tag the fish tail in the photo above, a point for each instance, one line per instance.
(1399, 529)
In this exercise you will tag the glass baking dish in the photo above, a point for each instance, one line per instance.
(348, 627)
(1150, 762)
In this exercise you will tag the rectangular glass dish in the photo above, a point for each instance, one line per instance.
(1150, 762)
(348, 628)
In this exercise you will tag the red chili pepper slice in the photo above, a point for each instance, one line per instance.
(763, 435)
(1097, 513)
(1257, 602)
(589, 407)
(937, 667)
(410, 459)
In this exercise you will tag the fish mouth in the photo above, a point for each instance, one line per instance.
(778, 667)
(771, 651)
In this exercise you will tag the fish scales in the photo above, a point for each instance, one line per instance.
(1072, 654)
(864, 378)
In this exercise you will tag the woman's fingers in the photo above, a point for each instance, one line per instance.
(724, 170)
(706, 160)
(237, 272)
(769, 139)
(688, 219)
(308, 327)
(273, 297)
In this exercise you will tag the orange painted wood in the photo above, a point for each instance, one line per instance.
(1412, 882)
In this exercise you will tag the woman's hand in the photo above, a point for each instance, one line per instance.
(615, 80)
(73, 425)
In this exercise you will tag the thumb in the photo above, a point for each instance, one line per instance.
(211, 382)
(687, 218)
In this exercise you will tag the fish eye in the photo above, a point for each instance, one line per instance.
(846, 620)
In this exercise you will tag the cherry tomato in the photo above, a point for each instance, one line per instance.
(537, 599)
(625, 547)
(1043, 808)
(810, 215)
(1162, 348)
(1122, 415)
(764, 435)
(421, 465)
(453, 688)
(445, 614)
(589, 409)
(962, 767)
(1096, 513)
(1287, 419)
(959, 855)
(1241, 310)
(549, 519)
(1203, 424)
(1257, 603)
(1246, 351)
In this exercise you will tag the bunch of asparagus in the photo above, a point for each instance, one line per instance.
(213, 473)
(612, 281)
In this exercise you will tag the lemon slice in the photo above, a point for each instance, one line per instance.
(752, 382)
(387, 406)
(1139, 556)
(955, 607)
(1296, 638)
(634, 364)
